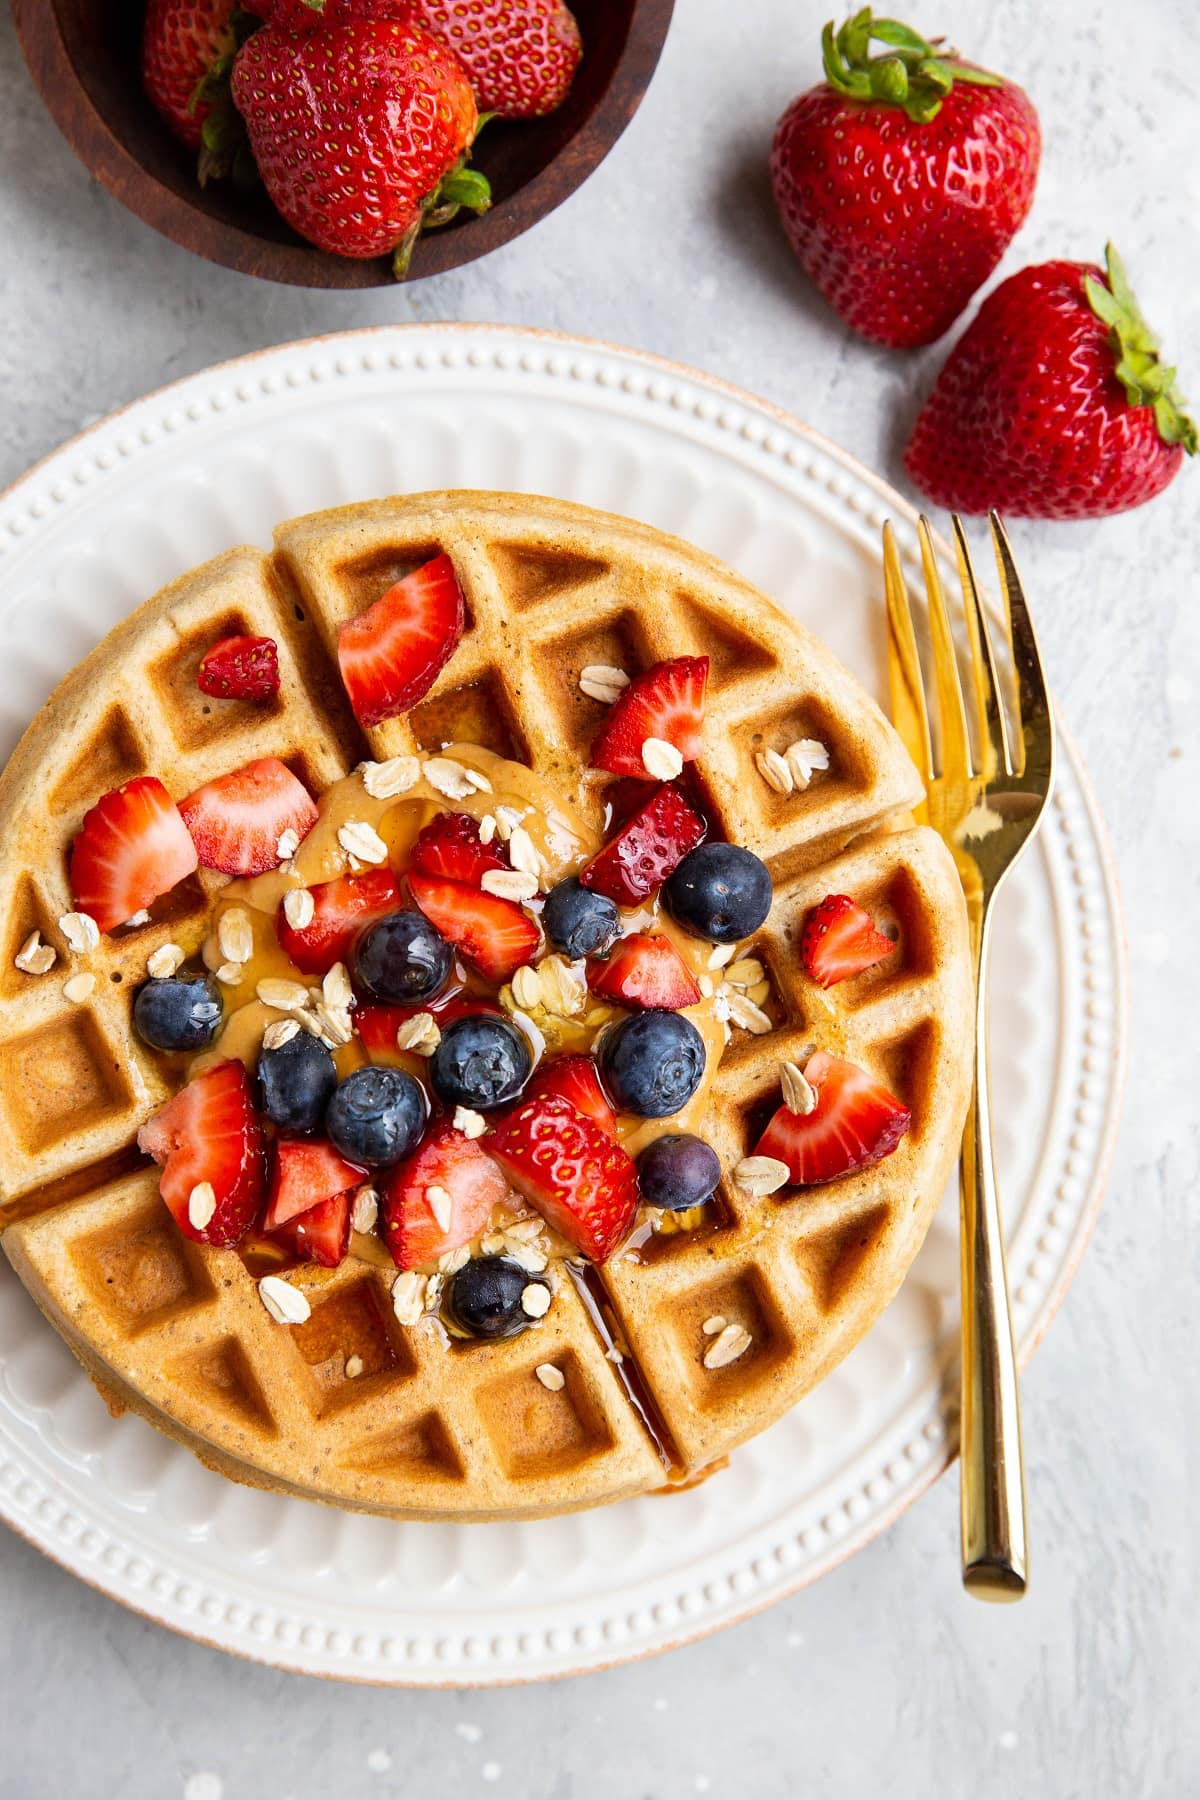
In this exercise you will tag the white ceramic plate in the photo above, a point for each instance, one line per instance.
(217, 460)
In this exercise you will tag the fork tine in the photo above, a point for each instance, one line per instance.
(1035, 717)
(952, 712)
(991, 725)
(906, 686)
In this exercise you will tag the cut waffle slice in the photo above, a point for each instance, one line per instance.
(351, 1407)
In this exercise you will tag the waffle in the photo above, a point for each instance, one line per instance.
(177, 1331)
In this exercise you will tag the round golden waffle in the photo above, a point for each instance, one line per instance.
(177, 1331)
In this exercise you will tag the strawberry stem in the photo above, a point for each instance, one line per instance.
(914, 73)
(1136, 348)
(459, 187)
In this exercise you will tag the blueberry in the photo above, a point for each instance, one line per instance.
(719, 892)
(484, 1297)
(482, 1061)
(678, 1171)
(376, 1116)
(652, 1063)
(578, 922)
(297, 1082)
(180, 1013)
(400, 959)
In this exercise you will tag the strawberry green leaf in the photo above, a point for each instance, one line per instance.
(1136, 349)
(915, 75)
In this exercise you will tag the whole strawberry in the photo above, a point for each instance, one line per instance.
(360, 133)
(1054, 403)
(521, 55)
(181, 40)
(902, 178)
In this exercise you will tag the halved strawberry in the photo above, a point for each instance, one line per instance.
(391, 655)
(464, 1184)
(132, 847)
(855, 1123)
(666, 702)
(646, 849)
(237, 820)
(645, 971)
(340, 908)
(240, 668)
(210, 1133)
(449, 847)
(840, 940)
(493, 935)
(565, 1164)
(306, 1171)
(377, 1025)
(574, 1078)
(322, 1234)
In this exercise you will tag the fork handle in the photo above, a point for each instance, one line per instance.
(994, 1550)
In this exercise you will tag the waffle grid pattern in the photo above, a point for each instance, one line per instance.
(549, 588)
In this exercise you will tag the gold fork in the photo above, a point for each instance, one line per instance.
(986, 791)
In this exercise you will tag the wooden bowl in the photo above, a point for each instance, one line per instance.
(83, 55)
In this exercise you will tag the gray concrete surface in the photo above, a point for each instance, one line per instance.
(884, 1679)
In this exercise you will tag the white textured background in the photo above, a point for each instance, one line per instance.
(884, 1679)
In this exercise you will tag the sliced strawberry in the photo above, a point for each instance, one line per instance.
(855, 1123)
(645, 971)
(210, 1133)
(132, 847)
(470, 1185)
(340, 908)
(377, 1025)
(391, 655)
(306, 1172)
(646, 849)
(241, 668)
(494, 935)
(666, 702)
(322, 1234)
(237, 820)
(583, 1184)
(574, 1078)
(840, 940)
(450, 848)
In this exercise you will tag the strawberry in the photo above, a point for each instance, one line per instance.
(645, 972)
(377, 1025)
(646, 849)
(322, 1234)
(855, 1123)
(241, 668)
(210, 1133)
(132, 847)
(583, 1184)
(574, 1078)
(493, 935)
(520, 55)
(839, 940)
(1053, 404)
(340, 908)
(181, 39)
(306, 1171)
(391, 655)
(236, 821)
(665, 702)
(470, 1185)
(450, 847)
(360, 133)
(901, 179)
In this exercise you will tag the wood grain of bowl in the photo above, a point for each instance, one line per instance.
(83, 56)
